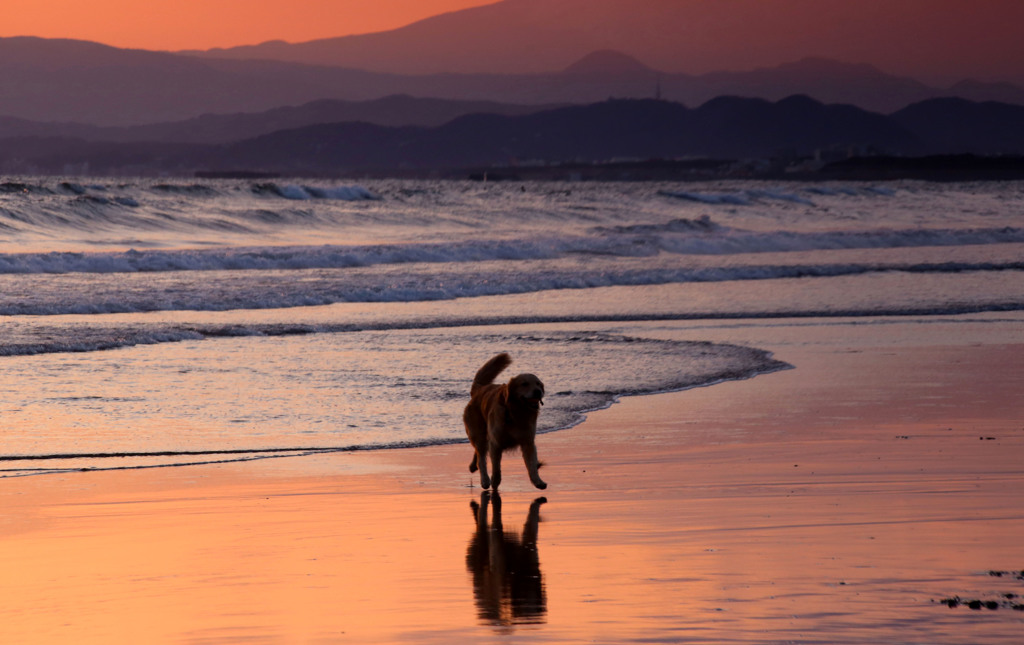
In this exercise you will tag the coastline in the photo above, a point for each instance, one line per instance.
(840, 501)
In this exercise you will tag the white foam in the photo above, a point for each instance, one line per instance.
(785, 197)
(739, 199)
(303, 192)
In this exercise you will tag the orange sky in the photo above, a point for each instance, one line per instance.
(202, 24)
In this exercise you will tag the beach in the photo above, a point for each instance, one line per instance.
(844, 500)
(761, 327)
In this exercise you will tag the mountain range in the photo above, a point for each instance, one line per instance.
(959, 38)
(66, 81)
(395, 110)
(637, 129)
(631, 129)
(538, 80)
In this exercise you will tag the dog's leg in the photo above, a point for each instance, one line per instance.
(481, 462)
(472, 464)
(495, 451)
(532, 464)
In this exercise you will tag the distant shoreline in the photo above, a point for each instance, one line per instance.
(936, 168)
(933, 168)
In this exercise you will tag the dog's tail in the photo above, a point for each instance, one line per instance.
(486, 374)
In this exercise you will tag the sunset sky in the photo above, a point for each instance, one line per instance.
(203, 24)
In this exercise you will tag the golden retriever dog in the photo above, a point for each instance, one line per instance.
(503, 417)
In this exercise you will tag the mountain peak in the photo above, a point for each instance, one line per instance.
(607, 61)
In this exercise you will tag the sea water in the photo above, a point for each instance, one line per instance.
(159, 323)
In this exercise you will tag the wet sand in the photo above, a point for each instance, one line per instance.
(838, 502)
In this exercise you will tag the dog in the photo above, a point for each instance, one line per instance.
(503, 417)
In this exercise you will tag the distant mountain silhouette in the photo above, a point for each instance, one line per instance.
(978, 91)
(726, 127)
(723, 128)
(397, 110)
(954, 125)
(754, 127)
(67, 82)
(608, 62)
(826, 80)
(958, 38)
(633, 129)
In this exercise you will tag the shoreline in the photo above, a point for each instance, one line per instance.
(840, 501)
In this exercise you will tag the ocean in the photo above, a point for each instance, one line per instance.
(161, 323)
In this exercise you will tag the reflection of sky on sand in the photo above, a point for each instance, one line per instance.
(840, 500)
(237, 559)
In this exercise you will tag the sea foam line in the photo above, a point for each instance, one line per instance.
(120, 337)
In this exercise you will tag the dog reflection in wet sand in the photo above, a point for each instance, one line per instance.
(507, 582)
(502, 417)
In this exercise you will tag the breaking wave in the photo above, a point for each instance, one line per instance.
(680, 236)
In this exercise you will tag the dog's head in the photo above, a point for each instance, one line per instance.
(526, 390)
